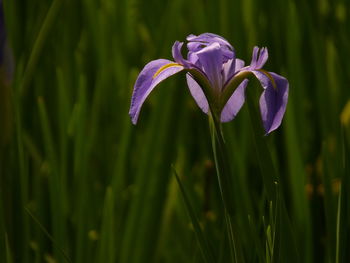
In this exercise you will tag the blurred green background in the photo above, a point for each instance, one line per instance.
(80, 183)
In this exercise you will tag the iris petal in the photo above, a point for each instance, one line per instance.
(259, 58)
(210, 59)
(194, 46)
(228, 69)
(209, 38)
(193, 58)
(196, 43)
(263, 56)
(254, 57)
(176, 51)
(235, 103)
(273, 101)
(215, 76)
(239, 64)
(197, 93)
(147, 80)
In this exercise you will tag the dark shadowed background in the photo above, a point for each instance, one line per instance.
(80, 183)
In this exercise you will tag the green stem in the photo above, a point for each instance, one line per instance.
(38, 44)
(224, 178)
(221, 163)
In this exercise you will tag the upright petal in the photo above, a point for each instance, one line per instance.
(254, 57)
(193, 58)
(151, 75)
(235, 103)
(197, 93)
(209, 38)
(196, 43)
(239, 64)
(263, 56)
(210, 59)
(228, 70)
(176, 51)
(273, 101)
(259, 58)
(195, 46)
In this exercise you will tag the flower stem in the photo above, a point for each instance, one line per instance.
(221, 163)
(224, 178)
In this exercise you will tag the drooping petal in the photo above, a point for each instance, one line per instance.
(235, 103)
(273, 100)
(151, 75)
(259, 58)
(263, 78)
(210, 59)
(197, 93)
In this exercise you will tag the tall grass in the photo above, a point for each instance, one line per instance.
(80, 183)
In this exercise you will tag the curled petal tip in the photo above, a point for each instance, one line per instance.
(133, 117)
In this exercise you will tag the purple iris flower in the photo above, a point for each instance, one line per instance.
(217, 79)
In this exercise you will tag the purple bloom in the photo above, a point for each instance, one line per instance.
(217, 79)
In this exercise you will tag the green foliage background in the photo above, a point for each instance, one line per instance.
(80, 183)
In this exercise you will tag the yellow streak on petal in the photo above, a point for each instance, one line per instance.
(270, 77)
(165, 67)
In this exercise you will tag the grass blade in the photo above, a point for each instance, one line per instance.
(204, 245)
(47, 234)
(107, 251)
(343, 212)
(287, 250)
(38, 45)
(8, 250)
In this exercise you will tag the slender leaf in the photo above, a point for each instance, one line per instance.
(204, 245)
